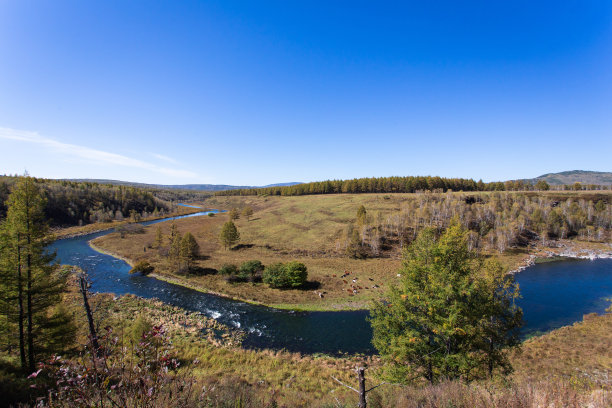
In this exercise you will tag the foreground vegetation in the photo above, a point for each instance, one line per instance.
(565, 368)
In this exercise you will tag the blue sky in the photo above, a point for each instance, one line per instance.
(252, 93)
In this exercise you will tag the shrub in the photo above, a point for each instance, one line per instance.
(251, 267)
(296, 274)
(142, 267)
(273, 275)
(289, 275)
(228, 269)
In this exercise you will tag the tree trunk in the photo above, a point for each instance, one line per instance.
(30, 312)
(90, 321)
(20, 303)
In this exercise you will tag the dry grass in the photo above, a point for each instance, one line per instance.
(307, 229)
(581, 353)
(67, 232)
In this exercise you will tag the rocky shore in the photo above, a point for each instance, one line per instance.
(567, 249)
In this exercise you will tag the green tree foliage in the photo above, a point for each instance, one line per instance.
(542, 185)
(229, 235)
(289, 275)
(247, 212)
(251, 268)
(31, 286)
(73, 203)
(228, 269)
(189, 250)
(174, 252)
(453, 316)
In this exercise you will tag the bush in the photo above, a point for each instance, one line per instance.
(228, 269)
(251, 267)
(240, 278)
(142, 267)
(289, 275)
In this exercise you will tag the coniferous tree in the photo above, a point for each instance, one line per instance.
(189, 250)
(32, 284)
(446, 320)
(159, 237)
(229, 235)
(247, 212)
(234, 214)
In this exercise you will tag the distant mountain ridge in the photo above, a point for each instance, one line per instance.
(574, 176)
(199, 187)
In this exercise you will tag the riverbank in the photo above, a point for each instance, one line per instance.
(311, 230)
(105, 252)
(566, 249)
(77, 231)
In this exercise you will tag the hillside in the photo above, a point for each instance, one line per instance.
(199, 187)
(575, 176)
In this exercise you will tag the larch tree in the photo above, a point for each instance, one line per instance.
(189, 250)
(229, 235)
(247, 212)
(32, 284)
(159, 237)
(452, 316)
(234, 214)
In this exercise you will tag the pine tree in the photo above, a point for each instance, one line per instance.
(452, 314)
(32, 285)
(229, 235)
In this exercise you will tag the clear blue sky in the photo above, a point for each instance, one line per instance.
(254, 92)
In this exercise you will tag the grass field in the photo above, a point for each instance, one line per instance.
(309, 229)
(568, 367)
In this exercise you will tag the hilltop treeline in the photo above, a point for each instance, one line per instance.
(398, 185)
(496, 221)
(371, 185)
(77, 203)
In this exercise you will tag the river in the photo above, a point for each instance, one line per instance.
(553, 295)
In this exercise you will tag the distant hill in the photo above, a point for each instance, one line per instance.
(199, 187)
(573, 176)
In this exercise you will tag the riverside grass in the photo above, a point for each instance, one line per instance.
(565, 368)
(308, 229)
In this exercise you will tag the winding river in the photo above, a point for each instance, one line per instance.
(554, 294)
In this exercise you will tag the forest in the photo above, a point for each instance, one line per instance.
(401, 185)
(495, 221)
(71, 203)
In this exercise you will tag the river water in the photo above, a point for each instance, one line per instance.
(553, 295)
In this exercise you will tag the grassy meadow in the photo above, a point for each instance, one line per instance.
(309, 229)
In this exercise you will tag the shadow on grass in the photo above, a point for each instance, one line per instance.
(199, 271)
(242, 246)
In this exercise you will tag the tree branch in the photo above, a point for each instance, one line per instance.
(347, 386)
